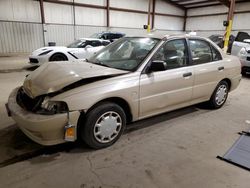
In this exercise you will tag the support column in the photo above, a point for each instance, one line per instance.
(149, 13)
(230, 23)
(185, 20)
(108, 15)
(42, 12)
(153, 15)
(42, 19)
(74, 19)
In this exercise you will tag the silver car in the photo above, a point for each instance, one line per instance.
(241, 48)
(129, 80)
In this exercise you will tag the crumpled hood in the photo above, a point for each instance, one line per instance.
(53, 76)
(44, 49)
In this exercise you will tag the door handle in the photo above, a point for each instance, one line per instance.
(187, 74)
(220, 68)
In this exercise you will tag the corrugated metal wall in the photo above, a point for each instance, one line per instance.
(87, 31)
(64, 34)
(21, 29)
(208, 25)
(221, 32)
(25, 37)
(20, 37)
(61, 34)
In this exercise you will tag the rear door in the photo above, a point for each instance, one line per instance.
(165, 90)
(208, 68)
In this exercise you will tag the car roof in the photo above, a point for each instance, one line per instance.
(166, 36)
(93, 39)
(112, 32)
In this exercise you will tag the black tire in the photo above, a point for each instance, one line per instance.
(88, 128)
(243, 72)
(213, 103)
(58, 57)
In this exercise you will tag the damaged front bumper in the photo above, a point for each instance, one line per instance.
(43, 129)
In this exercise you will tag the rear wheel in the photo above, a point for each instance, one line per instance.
(103, 125)
(58, 57)
(243, 72)
(219, 96)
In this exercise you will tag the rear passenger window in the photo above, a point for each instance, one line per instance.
(216, 54)
(201, 51)
(173, 53)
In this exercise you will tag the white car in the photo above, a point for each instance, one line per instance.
(80, 49)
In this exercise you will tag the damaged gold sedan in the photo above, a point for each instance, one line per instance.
(131, 79)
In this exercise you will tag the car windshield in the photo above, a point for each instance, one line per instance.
(77, 44)
(96, 36)
(125, 54)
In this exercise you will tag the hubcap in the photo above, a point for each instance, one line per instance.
(107, 127)
(221, 95)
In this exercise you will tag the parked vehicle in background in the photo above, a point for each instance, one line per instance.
(79, 49)
(241, 48)
(108, 35)
(129, 80)
(219, 40)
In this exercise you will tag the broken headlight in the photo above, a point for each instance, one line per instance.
(53, 107)
(243, 52)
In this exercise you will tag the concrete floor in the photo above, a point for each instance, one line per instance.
(176, 149)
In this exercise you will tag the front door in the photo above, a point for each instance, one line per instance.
(166, 90)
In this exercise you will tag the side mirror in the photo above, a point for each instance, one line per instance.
(246, 40)
(157, 66)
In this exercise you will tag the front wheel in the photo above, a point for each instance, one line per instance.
(103, 125)
(219, 96)
(58, 57)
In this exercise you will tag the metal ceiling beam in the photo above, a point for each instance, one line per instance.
(182, 1)
(198, 3)
(175, 4)
(225, 2)
(194, 2)
(215, 4)
(203, 6)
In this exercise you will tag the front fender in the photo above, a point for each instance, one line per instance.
(86, 96)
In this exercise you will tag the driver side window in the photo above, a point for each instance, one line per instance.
(173, 53)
